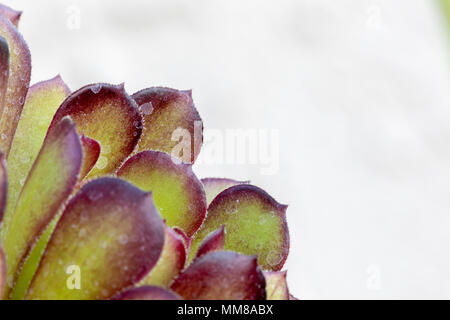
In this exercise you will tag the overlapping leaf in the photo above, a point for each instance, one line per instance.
(221, 276)
(215, 241)
(255, 224)
(177, 192)
(91, 154)
(170, 263)
(51, 180)
(43, 99)
(107, 114)
(110, 234)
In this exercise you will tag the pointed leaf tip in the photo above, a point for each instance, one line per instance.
(276, 285)
(221, 276)
(215, 241)
(177, 192)
(171, 122)
(110, 234)
(10, 14)
(255, 223)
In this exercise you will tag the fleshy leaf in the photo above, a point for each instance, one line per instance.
(10, 14)
(31, 262)
(43, 99)
(4, 71)
(18, 82)
(170, 263)
(109, 237)
(255, 224)
(91, 153)
(106, 113)
(147, 293)
(171, 123)
(3, 186)
(221, 276)
(178, 194)
(2, 272)
(215, 241)
(276, 285)
(214, 186)
(186, 240)
(51, 180)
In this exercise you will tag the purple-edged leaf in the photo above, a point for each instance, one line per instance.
(215, 241)
(91, 153)
(221, 276)
(214, 186)
(108, 238)
(171, 123)
(177, 192)
(255, 224)
(186, 240)
(10, 14)
(18, 82)
(43, 99)
(170, 263)
(276, 285)
(147, 293)
(51, 180)
(105, 113)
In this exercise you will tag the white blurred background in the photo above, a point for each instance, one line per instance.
(358, 91)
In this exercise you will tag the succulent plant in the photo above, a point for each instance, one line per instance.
(90, 183)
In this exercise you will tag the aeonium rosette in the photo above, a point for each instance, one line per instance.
(96, 204)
